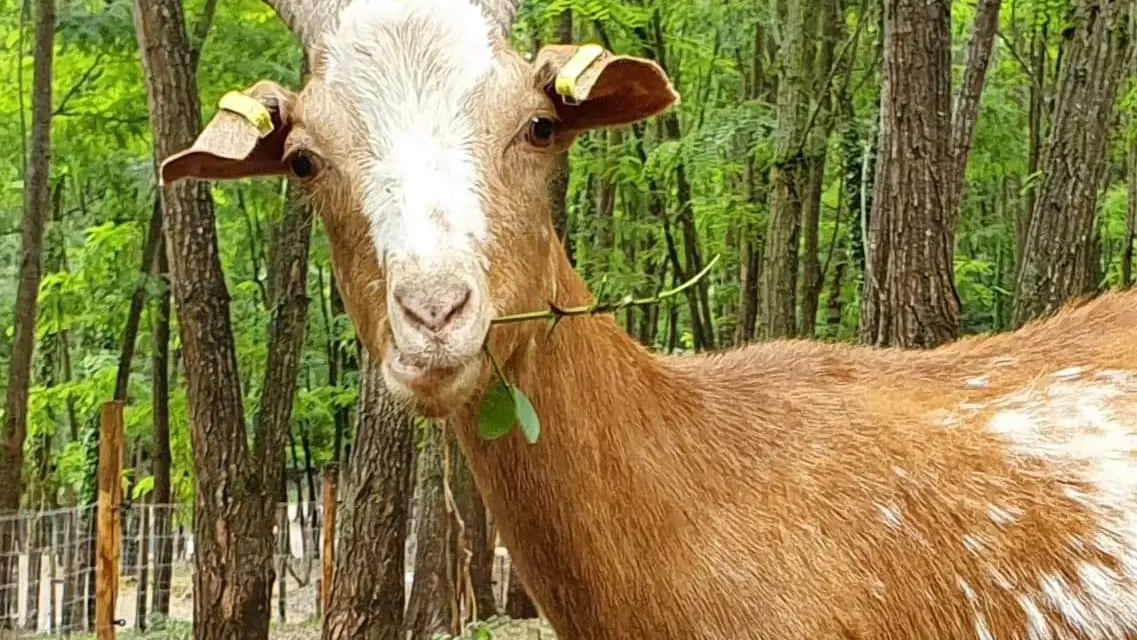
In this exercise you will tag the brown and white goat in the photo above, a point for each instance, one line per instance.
(788, 490)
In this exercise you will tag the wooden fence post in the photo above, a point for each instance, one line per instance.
(328, 537)
(109, 525)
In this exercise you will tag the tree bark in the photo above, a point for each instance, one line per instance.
(830, 19)
(1039, 58)
(966, 112)
(1058, 253)
(137, 302)
(429, 610)
(518, 604)
(754, 180)
(787, 173)
(160, 410)
(37, 207)
(559, 186)
(1130, 218)
(909, 296)
(234, 498)
(476, 541)
(367, 598)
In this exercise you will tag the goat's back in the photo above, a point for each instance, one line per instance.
(986, 489)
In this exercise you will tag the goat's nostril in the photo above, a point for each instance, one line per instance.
(433, 310)
(458, 306)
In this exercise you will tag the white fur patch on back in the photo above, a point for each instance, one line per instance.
(1084, 424)
(410, 66)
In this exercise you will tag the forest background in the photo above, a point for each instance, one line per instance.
(889, 172)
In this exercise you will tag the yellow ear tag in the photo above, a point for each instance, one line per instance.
(565, 84)
(250, 109)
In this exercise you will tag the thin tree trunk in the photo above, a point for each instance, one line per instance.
(129, 539)
(754, 180)
(830, 19)
(909, 296)
(367, 598)
(34, 548)
(1058, 254)
(966, 112)
(429, 609)
(234, 496)
(1130, 219)
(1039, 58)
(559, 188)
(137, 302)
(160, 410)
(783, 229)
(69, 615)
(518, 604)
(37, 207)
(473, 513)
(143, 582)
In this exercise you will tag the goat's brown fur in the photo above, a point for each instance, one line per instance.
(747, 494)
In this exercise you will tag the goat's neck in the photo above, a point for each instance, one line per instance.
(605, 404)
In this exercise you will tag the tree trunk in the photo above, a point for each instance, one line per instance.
(476, 541)
(234, 498)
(69, 601)
(518, 604)
(559, 185)
(37, 206)
(160, 410)
(1130, 218)
(367, 598)
(909, 296)
(35, 548)
(754, 183)
(429, 610)
(783, 229)
(966, 111)
(143, 575)
(128, 562)
(137, 302)
(1058, 254)
(829, 17)
(1039, 58)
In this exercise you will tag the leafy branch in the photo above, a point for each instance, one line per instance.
(505, 405)
(556, 313)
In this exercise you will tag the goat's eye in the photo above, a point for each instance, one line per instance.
(541, 131)
(302, 165)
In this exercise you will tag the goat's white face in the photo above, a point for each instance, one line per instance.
(428, 146)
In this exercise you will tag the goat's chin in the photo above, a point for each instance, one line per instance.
(433, 393)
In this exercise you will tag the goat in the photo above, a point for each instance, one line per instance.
(789, 490)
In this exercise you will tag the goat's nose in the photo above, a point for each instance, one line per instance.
(432, 306)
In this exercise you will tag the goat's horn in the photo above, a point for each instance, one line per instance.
(501, 12)
(307, 19)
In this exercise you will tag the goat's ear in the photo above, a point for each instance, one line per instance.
(591, 87)
(245, 138)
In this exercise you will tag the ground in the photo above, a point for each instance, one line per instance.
(497, 629)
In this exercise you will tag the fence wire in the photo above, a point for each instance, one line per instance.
(51, 589)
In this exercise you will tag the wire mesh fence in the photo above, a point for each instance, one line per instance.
(49, 589)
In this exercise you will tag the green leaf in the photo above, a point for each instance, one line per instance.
(496, 415)
(526, 415)
(143, 488)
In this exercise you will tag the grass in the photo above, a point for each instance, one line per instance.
(498, 628)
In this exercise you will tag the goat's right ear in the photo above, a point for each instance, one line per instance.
(245, 138)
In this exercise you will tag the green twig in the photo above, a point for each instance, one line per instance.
(556, 313)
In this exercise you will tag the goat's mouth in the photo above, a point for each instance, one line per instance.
(434, 387)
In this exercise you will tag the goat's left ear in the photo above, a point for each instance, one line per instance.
(245, 138)
(591, 87)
